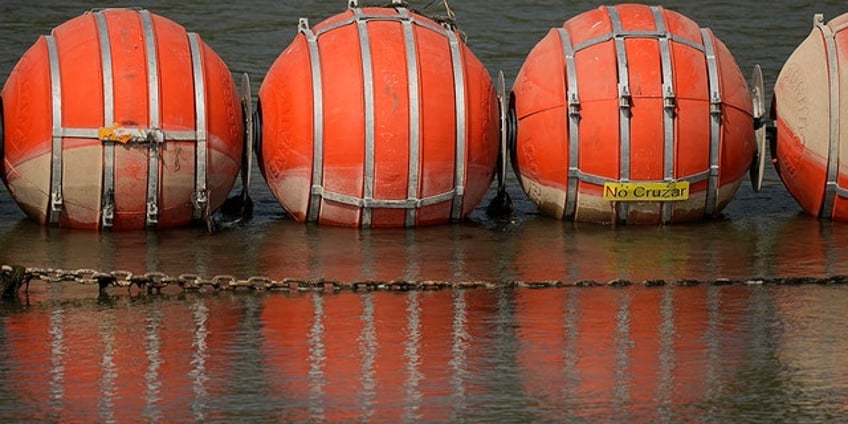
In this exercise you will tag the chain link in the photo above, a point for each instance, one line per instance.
(14, 277)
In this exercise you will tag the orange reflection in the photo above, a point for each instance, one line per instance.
(386, 357)
(623, 354)
(148, 359)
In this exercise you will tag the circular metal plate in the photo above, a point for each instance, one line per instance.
(758, 98)
(502, 152)
(247, 156)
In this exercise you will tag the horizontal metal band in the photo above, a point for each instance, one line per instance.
(841, 191)
(599, 180)
(370, 17)
(839, 27)
(637, 34)
(95, 133)
(382, 203)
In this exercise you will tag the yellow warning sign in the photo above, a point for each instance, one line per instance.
(646, 192)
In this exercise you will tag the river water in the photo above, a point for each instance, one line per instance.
(712, 352)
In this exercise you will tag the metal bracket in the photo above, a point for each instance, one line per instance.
(759, 108)
(107, 212)
(152, 213)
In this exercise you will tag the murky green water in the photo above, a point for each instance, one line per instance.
(708, 353)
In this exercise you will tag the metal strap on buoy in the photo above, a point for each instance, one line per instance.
(664, 38)
(414, 113)
(56, 201)
(367, 202)
(625, 101)
(832, 186)
(573, 98)
(715, 121)
(669, 106)
(152, 215)
(317, 121)
(200, 199)
(111, 132)
(107, 213)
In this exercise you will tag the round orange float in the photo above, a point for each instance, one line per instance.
(378, 117)
(810, 148)
(631, 114)
(120, 119)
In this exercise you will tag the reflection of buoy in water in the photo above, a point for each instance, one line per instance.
(378, 117)
(809, 150)
(631, 114)
(120, 119)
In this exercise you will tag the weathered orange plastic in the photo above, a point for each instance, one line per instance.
(27, 107)
(541, 153)
(288, 134)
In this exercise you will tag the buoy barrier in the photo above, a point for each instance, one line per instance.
(121, 119)
(16, 277)
(810, 147)
(631, 114)
(378, 117)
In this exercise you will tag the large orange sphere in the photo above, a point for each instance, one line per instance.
(378, 117)
(811, 145)
(631, 114)
(120, 119)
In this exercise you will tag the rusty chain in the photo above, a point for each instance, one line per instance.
(15, 277)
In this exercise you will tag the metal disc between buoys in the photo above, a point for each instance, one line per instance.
(502, 151)
(247, 158)
(759, 107)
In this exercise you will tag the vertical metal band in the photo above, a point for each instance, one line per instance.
(56, 200)
(152, 216)
(459, 96)
(831, 186)
(107, 194)
(669, 104)
(414, 114)
(368, 92)
(573, 99)
(314, 208)
(715, 121)
(624, 102)
(201, 192)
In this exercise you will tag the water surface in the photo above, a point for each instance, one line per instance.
(742, 352)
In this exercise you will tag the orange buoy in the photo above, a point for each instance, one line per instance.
(631, 114)
(121, 119)
(810, 149)
(378, 117)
